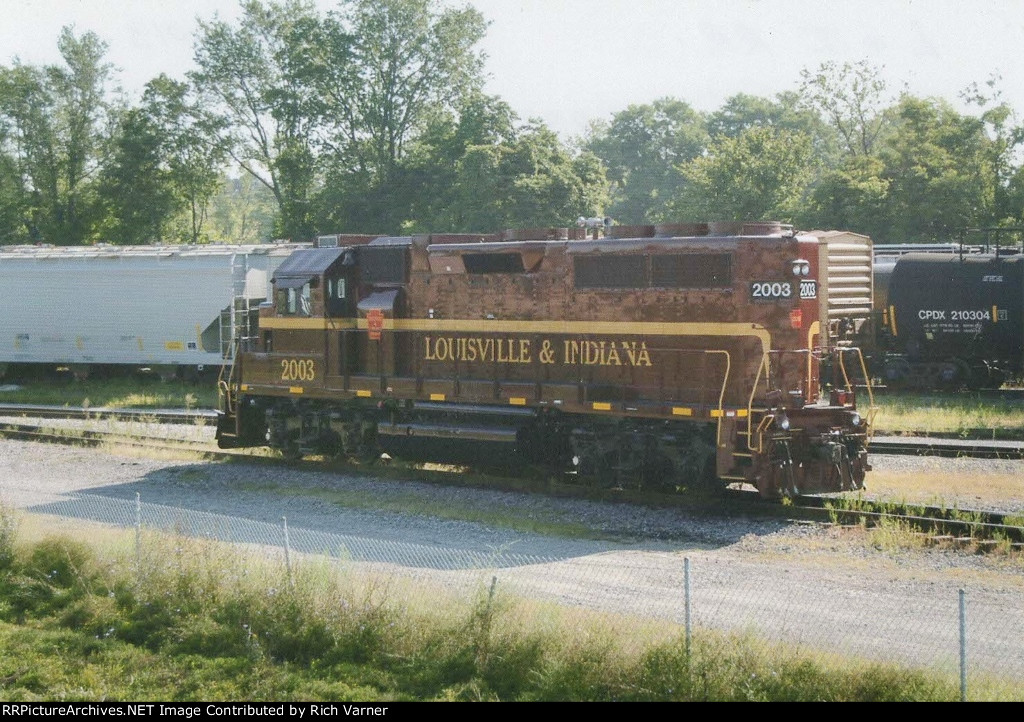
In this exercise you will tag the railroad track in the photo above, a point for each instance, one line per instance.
(915, 445)
(92, 438)
(961, 527)
(161, 416)
(937, 525)
(957, 527)
(957, 448)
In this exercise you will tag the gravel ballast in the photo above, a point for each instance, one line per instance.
(820, 586)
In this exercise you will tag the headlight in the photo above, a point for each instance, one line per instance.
(801, 267)
(855, 419)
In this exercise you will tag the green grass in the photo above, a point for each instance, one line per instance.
(127, 393)
(196, 621)
(961, 414)
(896, 534)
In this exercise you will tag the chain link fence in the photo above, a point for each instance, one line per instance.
(974, 638)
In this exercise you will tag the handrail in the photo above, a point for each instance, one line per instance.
(721, 392)
(871, 412)
(221, 385)
(872, 409)
(766, 421)
(842, 367)
(750, 404)
(224, 386)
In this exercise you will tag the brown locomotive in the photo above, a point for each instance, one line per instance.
(659, 355)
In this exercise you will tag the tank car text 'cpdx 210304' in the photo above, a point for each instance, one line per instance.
(949, 316)
(655, 356)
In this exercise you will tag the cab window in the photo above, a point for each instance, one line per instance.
(336, 298)
(295, 301)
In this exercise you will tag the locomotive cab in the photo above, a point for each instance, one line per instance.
(312, 289)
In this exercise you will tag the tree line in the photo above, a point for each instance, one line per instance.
(371, 118)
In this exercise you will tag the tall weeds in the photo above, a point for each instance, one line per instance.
(212, 624)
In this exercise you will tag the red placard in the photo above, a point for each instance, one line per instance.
(375, 323)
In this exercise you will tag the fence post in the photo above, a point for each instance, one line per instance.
(138, 534)
(287, 552)
(963, 646)
(484, 644)
(686, 595)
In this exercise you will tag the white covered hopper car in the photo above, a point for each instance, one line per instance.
(173, 309)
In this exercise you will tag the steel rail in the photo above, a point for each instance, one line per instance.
(163, 416)
(964, 526)
(949, 448)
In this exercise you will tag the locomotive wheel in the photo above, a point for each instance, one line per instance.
(291, 450)
(966, 379)
(607, 476)
(896, 372)
(858, 470)
(775, 476)
(658, 472)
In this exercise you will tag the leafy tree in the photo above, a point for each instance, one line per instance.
(761, 174)
(412, 63)
(854, 195)
(1015, 198)
(938, 166)
(59, 120)
(533, 181)
(257, 77)
(410, 59)
(13, 211)
(932, 173)
(1006, 135)
(430, 173)
(850, 96)
(784, 111)
(135, 186)
(242, 211)
(643, 148)
(194, 147)
(483, 171)
(327, 105)
(165, 165)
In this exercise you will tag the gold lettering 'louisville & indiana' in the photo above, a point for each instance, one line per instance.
(471, 349)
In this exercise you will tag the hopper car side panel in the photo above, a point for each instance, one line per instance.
(132, 306)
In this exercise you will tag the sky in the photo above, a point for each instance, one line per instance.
(568, 62)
